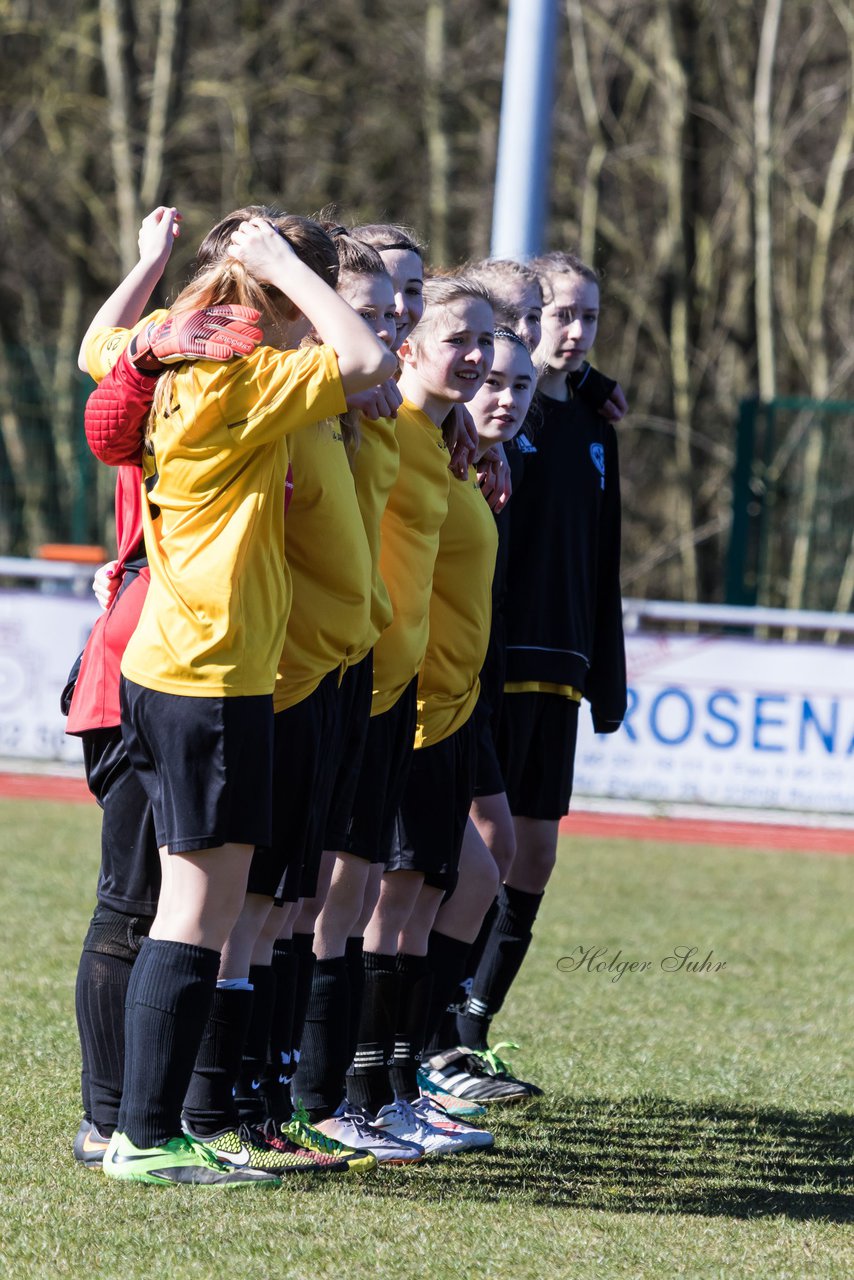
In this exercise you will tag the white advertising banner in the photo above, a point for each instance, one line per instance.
(40, 638)
(711, 720)
(728, 721)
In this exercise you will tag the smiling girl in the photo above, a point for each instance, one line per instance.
(403, 259)
(563, 618)
(444, 364)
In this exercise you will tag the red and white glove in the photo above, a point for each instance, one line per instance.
(216, 333)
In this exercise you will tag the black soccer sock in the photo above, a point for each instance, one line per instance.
(302, 945)
(209, 1105)
(109, 951)
(447, 957)
(416, 985)
(168, 999)
(477, 1031)
(503, 954)
(279, 1067)
(102, 983)
(479, 945)
(319, 1080)
(353, 954)
(368, 1083)
(249, 1094)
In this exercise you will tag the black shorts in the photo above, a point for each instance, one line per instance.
(129, 878)
(536, 749)
(206, 765)
(432, 818)
(346, 752)
(488, 778)
(300, 735)
(389, 748)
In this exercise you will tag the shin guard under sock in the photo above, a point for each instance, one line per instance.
(249, 1093)
(353, 953)
(319, 1080)
(109, 951)
(279, 1067)
(209, 1105)
(416, 984)
(463, 1028)
(168, 999)
(505, 949)
(447, 957)
(368, 1083)
(302, 944)
(102, 983)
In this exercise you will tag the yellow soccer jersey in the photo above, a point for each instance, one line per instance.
(460, 614)
(106, 345)
(416, 509)
(330, 564)
(376, 465)
(214, 618)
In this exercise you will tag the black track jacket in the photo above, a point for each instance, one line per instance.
(562, 606)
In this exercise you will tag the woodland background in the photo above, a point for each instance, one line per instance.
(702, 157)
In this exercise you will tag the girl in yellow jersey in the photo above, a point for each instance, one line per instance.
(444, 363)
(199, 672)
(367, 792)
(499, 410)
(322, 703)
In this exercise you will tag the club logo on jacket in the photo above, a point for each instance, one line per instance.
(597, 453)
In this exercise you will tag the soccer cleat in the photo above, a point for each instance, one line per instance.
(247, 1148)
(354, 1128)
(328, 1152)
(476, 1076)
(400, 1120)
(431, 1112)
(493, 1064)
(454, 1106)
(180, 1160)
(89, 1145)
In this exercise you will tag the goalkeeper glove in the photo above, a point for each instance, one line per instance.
(216, 333)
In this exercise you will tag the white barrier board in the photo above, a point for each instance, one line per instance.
(727, 721)
(711, 720)
(40, 637)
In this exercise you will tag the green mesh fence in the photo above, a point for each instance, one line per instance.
(792, 540)
(51, 488)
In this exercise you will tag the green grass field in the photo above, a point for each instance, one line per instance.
(696, 1124)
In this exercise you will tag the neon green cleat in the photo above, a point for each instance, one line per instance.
(304, 1134)
(247, 1148)
(180, 1160)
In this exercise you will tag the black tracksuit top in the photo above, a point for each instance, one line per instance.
(561, 600)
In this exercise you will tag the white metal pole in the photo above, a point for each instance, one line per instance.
(521, 180)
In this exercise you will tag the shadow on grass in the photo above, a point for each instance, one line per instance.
(653, 1155)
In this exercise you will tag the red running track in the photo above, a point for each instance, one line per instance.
(602, 826)
(741, 835)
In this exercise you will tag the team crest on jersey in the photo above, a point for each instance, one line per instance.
(523, 444)
(597, 453)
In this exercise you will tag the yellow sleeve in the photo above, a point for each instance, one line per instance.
(106, 345)
(272, 393)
